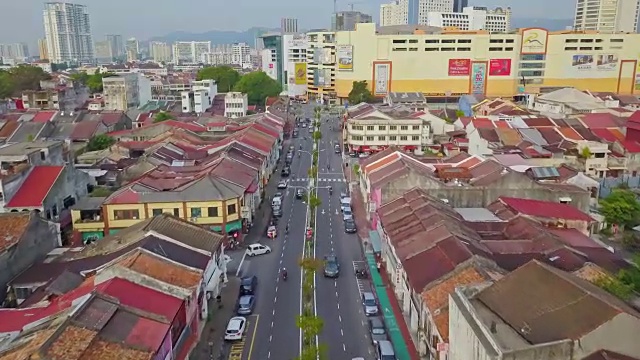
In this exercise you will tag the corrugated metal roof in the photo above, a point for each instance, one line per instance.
(545, 172)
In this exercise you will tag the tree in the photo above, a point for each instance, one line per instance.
(459, 113)
(317, 135)
(100, 142)
(585, 153)
(82, 77)
(21, 78)
(6, 84)
(225, 76)
(94, 82)
(360, 93)
(314, 202)
(621, 207)
(258, 86)
(162, 116)
(631, 275)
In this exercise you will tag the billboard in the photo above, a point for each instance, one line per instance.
(534, 41)
(500, 67)
(271, 69)
(322, 77)
(322, 56)
(478, 77)
(381, 78)
(582, 62)
(300, 73)
(345, 57)
(459, 67)
(607, 62)
(297, 41)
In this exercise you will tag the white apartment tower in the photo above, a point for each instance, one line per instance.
(68, 32)
(241, 54)
(220, 55)
(473, 18)
(160, 51)
(403, 12)
(607, 15)
(190, 52)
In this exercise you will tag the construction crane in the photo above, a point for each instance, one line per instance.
(354, 3)
(335, 5)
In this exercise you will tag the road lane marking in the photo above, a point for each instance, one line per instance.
(339, 318)
(241, 262)
(253, 337)
(344, 348)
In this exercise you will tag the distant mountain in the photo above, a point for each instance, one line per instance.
(549, 24)
(215, 36)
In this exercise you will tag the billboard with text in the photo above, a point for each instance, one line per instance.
(500, 67)
(459, 67)
(344, 54)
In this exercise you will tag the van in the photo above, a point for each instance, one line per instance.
(384, 350)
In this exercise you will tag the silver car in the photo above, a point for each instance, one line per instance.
(370, 304)
(245, 304)
(347, 214)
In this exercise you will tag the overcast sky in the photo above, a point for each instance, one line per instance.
(21, 21)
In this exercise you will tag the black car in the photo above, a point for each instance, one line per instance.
(350, 226)
(286, 171)
(331, 266)
(248, 285)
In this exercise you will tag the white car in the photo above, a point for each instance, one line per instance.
(283, 184)
(236, 328)
(257, 249)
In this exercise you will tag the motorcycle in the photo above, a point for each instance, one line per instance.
(361, 274)
(284, 276)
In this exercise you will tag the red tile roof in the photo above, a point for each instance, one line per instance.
(599, 121)
(569, 133)
(604, 134)
(84, 130)
(141, 297)
(631, 146)
(36, 187)
(482, 123)
(538, 122)
(544, 209)
(111, 118)
(43, 116)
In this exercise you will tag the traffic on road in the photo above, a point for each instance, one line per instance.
(269, 301)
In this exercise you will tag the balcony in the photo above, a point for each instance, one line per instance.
(617, 162)
(86, 214)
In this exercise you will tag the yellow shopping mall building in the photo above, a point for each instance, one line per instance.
(439, 62)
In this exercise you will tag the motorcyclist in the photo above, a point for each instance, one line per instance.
(330, 190)
(286, 229)
(300, 147)
(284, 273)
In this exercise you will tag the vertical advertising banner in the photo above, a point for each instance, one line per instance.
(478, 77)
(301, 73)
(345, 57)
(381, 78)
(459, 67)
(500, 67)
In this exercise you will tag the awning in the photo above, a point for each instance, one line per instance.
(355, 148)
(376, 243)
(252, 188)
(410, 148)
(364, 148)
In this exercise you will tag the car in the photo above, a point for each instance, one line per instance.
(257, 249)
(384, 350)
(310, 130)
(370, 303)
(377, 330)
(278, 195)
(248, 285)
(347, 214)
(292, 148)
(235, 328)
(299, 194)
(304, 125)
(246, 304)
(286, 171)
(345, 202)
(350, 226)
(277, 211)
(344, 193)
(294, 134)
(353, 154)
(283, 184)
(337, 149)
(331, 266)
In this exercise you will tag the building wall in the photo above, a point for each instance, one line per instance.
(321, 63)
(71, 183)
(554, 66)
(616, 335)
(40, 238)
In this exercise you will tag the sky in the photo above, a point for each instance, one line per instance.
(21, 21)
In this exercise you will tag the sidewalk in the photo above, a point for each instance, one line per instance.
(364, 227)
(210, 346)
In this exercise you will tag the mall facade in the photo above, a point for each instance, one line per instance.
(447, 62)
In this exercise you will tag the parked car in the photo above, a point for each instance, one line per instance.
(246, 304)
(248, 285)
(286, 171)
(347, 214)
(331, 266)
(235, 328)
(377, 330)
(350, 226)
(283, 184)
(257, 249)
(304, 125)
(384, 350)
(344, 193)
(276, 211)
(345, 202)
(370, 303)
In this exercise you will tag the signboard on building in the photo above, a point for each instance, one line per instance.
(345, 57)
(381, 78)
(582, 62)
(300, 73)
(298, 41)
(271, 70)
(500, 67)
(459, 67)
(607, 62)
(534, 41)
(478, 77)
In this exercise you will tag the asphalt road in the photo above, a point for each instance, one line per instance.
(345, 334)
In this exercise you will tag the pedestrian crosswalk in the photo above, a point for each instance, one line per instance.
(319, 180)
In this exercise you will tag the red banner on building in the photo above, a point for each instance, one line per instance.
(459, 67)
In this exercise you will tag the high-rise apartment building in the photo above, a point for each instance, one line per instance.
(607, 15)
(473, 18)
(220, 55)
(347, 20)
(103, 51)
(241, 54)
(117, 45)
(190, 52)
(289, 25)
(42, 49)
(160, 51)
(404, 12)
(133, 49)
(68, 32)
(17, 51)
